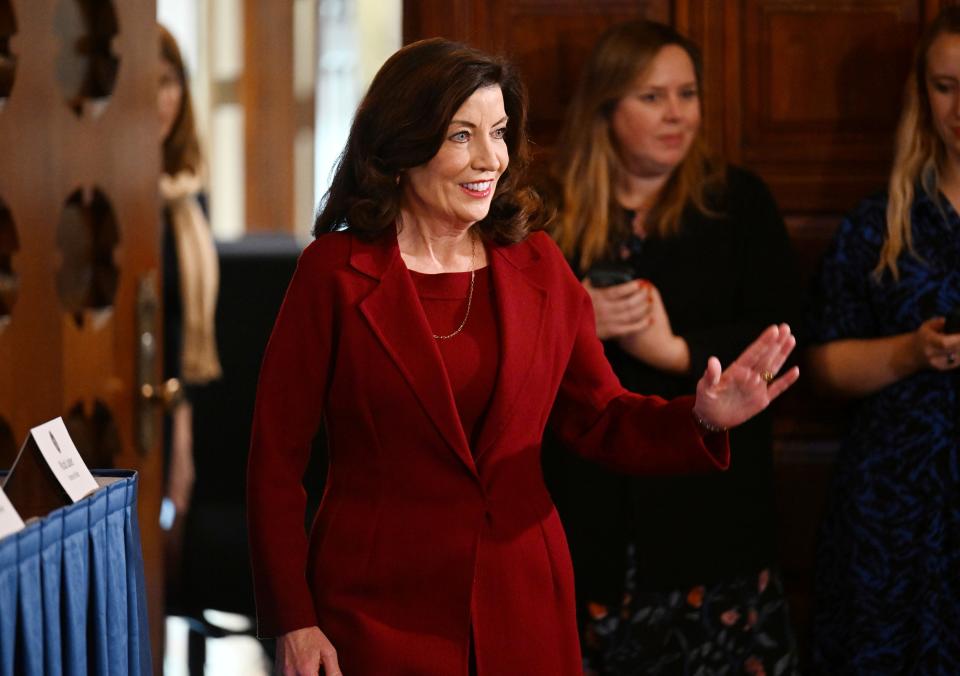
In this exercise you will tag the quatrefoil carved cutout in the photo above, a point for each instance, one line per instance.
(8, 446)
(9, 282)
(8, 60)
(87, 237)
(95, 434)
(87, 65)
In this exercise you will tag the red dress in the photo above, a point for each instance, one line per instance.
(471, 358)
(422, 535)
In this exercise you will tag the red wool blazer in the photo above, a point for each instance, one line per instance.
(420, 538)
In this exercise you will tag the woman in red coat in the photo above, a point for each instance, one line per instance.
(434, 336)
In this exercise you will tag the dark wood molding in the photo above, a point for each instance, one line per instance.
(269, 115)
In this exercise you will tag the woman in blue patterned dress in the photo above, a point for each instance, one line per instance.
(888, 569)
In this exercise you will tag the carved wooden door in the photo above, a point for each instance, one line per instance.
(79, 234)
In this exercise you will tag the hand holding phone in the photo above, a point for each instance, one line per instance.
(609, 274)
(952, 325)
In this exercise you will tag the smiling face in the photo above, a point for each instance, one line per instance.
(943, 91)
(655, 123)
(454, 189)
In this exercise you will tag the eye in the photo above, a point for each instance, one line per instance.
(649, 97)
(689, 93)
(460, 137)
(499, 133)
(943, 87)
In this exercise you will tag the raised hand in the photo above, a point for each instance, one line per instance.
(726, 398)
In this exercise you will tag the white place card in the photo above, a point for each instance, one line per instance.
(64, 459)
(10, 521)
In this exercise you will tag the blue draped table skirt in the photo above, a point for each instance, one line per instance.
(72, 594)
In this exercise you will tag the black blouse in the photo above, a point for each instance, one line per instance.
(723, 279)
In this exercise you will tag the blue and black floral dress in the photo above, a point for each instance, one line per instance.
(888, 565)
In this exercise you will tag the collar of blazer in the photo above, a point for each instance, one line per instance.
(374, 258)
(398, 321)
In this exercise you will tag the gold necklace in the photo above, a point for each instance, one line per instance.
(473, 272)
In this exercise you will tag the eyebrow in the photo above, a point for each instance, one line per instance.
(691, 83)
(464, 123)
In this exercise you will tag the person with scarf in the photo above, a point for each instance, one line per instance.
(191, 273)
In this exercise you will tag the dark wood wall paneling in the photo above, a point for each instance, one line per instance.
(804, 92)
(549, 40)
(821, 91)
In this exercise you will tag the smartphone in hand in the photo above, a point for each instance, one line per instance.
(610, 274)
(952, 324)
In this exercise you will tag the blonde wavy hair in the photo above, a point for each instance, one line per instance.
(919, 153)
(588, 165)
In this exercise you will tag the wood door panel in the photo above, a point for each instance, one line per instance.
(550, 62)
(488, 24)
(845, 69)
(549, 40)
(60, 134)
(820, 85)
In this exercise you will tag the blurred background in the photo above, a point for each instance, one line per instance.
(271, 116)
(805, 93)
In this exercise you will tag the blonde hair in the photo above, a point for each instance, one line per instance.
(919, 153)
(588, 164)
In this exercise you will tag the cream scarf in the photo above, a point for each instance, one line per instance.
(199, 277)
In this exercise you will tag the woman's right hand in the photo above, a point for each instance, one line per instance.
(303, 651)
(934, 349)
(621, 309)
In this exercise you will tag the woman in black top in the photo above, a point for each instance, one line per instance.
(191, 281)
(673, 574)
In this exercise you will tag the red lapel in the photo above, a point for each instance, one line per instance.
(399, 323)
(521, 306)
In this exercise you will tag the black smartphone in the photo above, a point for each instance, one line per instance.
(952, 325)
(610, 274)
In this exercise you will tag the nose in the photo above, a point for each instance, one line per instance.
(673, 107)
(484, 155)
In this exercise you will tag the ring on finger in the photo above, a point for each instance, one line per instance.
(767, 376)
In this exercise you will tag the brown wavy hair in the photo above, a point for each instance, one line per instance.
(919, 154)
(402, 122)
(181, 147)
(588, 164)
